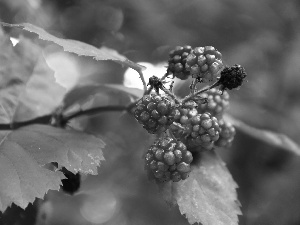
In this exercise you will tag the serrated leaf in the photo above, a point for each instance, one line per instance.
(79, 48)
(209, 195)
(22, 179)
(270, 137)
(106, 93)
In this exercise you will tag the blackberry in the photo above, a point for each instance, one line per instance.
(177, 62)
(205, 131)
(156, 113)
(183, 115)
(216, 104)
(232, 77)
(168, 159)
(227, 134)
(204, 63)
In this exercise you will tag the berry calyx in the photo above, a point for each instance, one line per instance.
(168, 159)
(156, 113)
(155, 83)
(177, 62)
(232, 77)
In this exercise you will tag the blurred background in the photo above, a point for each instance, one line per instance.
(261, 35)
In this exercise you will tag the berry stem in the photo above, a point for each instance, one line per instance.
(170, 94)
(143, 79)
(192, 95)
(164, 76)
(170, 133)
(193, 86)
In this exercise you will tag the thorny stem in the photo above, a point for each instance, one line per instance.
(192, 95)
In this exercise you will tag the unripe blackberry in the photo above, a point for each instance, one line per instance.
(217, 102)
(168, 159)
(205, 131)
(227, 134)
(204, 63)
(177, 62)
(183, 115)
(155, 112)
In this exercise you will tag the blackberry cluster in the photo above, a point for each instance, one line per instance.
(195, 123)
(216, 102)
(168, 159)
(177, 62)
(204, 63)
(156, 113)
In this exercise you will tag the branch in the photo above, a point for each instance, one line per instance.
(48, 118)
(94, 111)
(14, 125)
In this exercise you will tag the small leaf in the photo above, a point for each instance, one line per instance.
(209, 195)
(270, 137)
(79, 48)
(22, 179)
(108, 92)
(76, 151)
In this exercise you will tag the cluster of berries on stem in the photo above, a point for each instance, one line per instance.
(193, 124)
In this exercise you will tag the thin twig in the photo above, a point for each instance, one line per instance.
(94, 111)
(143, 80)
(64, 120)
(14, 125)
(193, 86)
(164, 76)
(192, 95)
(170, 94)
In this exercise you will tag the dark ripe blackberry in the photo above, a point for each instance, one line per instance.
(177, 62)
(232, 77)
(227, 134)
(168, 159)
(205, 131)
(204, 63)
(156, 113)
(217, 102)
